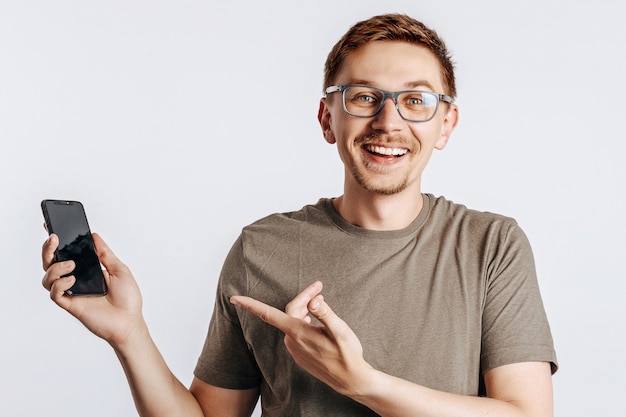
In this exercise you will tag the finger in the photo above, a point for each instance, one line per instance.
(267, 313)
(322, 312)
(55, 272)
(47, 251)
(298, 306)
(57, 291)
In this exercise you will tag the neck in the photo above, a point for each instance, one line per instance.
(380, 212)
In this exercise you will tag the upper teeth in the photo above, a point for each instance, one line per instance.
(386, 151)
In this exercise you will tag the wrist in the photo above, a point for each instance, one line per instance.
(136, 335)
(364, 384)
(373, 387)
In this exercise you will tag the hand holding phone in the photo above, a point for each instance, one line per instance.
(113, 317)
(68, 221)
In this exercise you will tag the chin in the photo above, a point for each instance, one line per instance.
(386, 190)
(382, 189)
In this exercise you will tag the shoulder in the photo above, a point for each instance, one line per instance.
(442, 210)
(283, 225)
(306, 214)
(472, 227)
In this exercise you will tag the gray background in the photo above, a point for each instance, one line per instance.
(135, 108)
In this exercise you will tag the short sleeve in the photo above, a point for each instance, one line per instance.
(515, 326)
(226, 360)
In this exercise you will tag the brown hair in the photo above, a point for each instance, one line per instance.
(390, 27)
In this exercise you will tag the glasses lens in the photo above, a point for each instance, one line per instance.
(417, 105)
(362, 101)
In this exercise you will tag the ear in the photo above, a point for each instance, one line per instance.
(449, 123)
(323, 116)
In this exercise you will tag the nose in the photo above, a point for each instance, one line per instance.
(388, 118)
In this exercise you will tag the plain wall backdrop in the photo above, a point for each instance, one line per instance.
(142, 111)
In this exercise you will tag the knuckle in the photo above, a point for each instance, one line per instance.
(292, 307)
(324, 313)
(264, 315)
(47, 280)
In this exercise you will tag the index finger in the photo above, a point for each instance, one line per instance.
(271, 315)
(47, 251)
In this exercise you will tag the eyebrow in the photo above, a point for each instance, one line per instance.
(409, 85)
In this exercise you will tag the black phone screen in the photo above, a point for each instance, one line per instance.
(68, 221)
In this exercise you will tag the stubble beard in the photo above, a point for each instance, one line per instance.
(361, 174)
(380, 189)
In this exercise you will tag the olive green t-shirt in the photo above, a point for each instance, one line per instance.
(438, 303)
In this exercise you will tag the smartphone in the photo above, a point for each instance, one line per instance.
(68, 221)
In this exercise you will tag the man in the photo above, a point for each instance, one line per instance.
(436, 309)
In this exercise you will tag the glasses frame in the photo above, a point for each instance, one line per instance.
(387, 94)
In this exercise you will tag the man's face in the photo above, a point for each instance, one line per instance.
(386, 154)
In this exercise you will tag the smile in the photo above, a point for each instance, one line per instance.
(381, 150)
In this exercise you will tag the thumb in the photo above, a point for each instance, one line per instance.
(111, 262)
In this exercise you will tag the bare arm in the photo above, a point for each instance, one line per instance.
(157, 392)
(224, 402)
(332, 353)
(117, 318)
(522, 389)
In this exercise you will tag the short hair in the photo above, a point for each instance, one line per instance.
(391, 27)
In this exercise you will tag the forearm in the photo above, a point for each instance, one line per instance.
(156, 391)
(390, 396)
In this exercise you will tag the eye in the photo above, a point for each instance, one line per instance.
(364, 98)
(413, 99)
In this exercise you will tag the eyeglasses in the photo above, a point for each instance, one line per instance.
(413, 106)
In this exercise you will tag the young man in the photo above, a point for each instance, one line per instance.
(435, 308)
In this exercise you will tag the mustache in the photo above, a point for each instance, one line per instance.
(382, 139)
